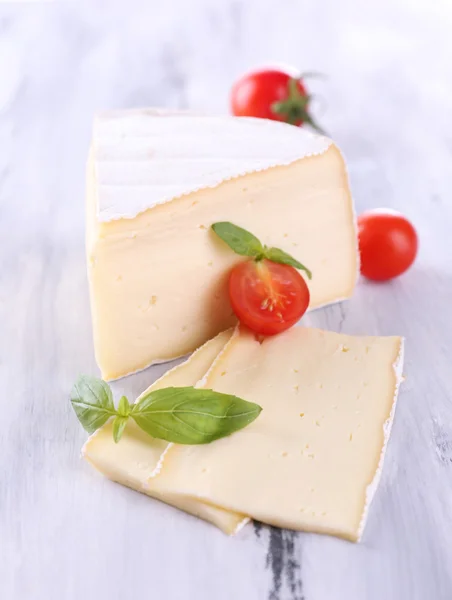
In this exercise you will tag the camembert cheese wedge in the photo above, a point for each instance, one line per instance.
(157, 181)
(137, 455)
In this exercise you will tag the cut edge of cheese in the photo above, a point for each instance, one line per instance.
(387, 427)
(229, 522)
(199, 384)
(235, 334)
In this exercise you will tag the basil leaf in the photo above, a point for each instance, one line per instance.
(189, 415)
(92, 401)
(123, 407)
(279, 256)
(118, 427)
(183, 415)
(246, 244)
(240, 240)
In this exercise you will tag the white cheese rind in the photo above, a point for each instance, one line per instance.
(149, 157)
(387, 427)
(240, 526)
(159, 465)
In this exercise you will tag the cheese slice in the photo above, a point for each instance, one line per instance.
(157, 181)
(312, 459)
(137, 455)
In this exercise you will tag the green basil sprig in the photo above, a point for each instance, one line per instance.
(184, 415)
(246, 244)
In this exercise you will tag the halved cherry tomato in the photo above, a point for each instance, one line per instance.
(267, 297)
(388, 244)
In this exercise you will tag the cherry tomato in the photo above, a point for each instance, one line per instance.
(267, 297)
(387, 242)
(272, 94)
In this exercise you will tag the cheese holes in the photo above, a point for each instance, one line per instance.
(151, 302)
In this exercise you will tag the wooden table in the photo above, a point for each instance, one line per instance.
(65, 532)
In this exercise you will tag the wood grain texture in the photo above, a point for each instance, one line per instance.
(67, 533)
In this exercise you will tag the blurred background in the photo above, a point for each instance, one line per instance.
(386, 101)
(387, 65)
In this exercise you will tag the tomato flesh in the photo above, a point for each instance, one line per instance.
(267, 297)
(254, 94)
(388, 244)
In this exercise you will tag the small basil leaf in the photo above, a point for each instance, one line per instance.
(240, 240)
(118, 427)
(123, 407)
(279, 256)
(190, 415)
(92, 401)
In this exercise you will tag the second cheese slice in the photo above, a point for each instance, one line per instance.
(137, 455)
(313, 457)
(158, 181)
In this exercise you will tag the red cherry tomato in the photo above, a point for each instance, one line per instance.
(267, 297)
(387, 242)
(254, 94)
(276, 94)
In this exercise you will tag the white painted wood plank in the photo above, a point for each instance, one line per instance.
(65, 532)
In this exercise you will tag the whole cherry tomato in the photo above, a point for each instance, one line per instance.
(388, 244)
(278, 94)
